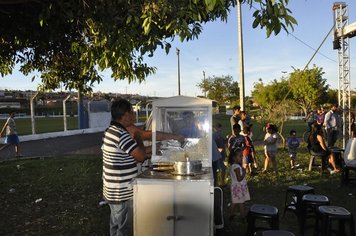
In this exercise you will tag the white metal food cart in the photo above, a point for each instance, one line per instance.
(170, 203)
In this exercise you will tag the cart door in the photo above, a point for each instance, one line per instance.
(193, 208)
(153, 208)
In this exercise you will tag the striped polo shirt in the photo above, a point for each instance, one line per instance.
(119, 167)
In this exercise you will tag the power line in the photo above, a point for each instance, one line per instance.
(315, 50)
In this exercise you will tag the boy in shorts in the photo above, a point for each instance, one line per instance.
(248, 151)
(293, 144)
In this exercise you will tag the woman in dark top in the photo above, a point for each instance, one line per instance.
(317, 146)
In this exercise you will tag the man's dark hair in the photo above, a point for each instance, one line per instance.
(119, 108)
(236, 127)
(236, 108)
(292, 132)
(246, 129)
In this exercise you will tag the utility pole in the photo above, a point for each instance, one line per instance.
(241, 57)
(177, 51)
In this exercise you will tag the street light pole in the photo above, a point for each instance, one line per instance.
(177, 51)
(241, 57)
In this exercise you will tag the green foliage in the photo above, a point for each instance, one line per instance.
(273, 100)
(69, 42)
(272, 15)
(303, 89)
(308, 87)
(332, 97)
(222, 89)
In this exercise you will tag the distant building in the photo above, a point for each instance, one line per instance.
(15, 105)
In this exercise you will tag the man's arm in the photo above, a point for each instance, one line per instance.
(147, 134)
(139, 153)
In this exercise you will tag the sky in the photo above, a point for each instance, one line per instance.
(216, 53)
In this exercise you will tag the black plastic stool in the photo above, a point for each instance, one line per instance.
(264, 212)
(275, 233)
(329, 213)
(294, 194)
(309, 206)
(345, 174)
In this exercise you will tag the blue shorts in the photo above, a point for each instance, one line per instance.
(12, 139)
(247, 159)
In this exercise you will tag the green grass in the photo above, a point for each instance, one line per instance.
(271, 188)
(43, 124)
(71, 188)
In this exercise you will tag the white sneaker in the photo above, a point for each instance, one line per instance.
(334, 171)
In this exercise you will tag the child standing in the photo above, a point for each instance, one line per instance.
(270, 147)
(293, 144)
(248, 152)
(236, 140)
(238, 188)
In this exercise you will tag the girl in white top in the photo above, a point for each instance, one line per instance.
(270, 147)
(239, 189)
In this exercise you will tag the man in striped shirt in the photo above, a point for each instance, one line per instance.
(120, 156)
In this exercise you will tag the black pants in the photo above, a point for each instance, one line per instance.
(331, 136)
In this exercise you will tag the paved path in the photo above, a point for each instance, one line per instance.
(81, 144)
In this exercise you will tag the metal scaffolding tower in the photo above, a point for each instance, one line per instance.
(342, 34)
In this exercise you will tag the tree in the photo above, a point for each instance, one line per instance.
(274, 102)
(271, 98)
(83, 37)
(269, 13)
(308, 88)
(222, 89)
(331, 96)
